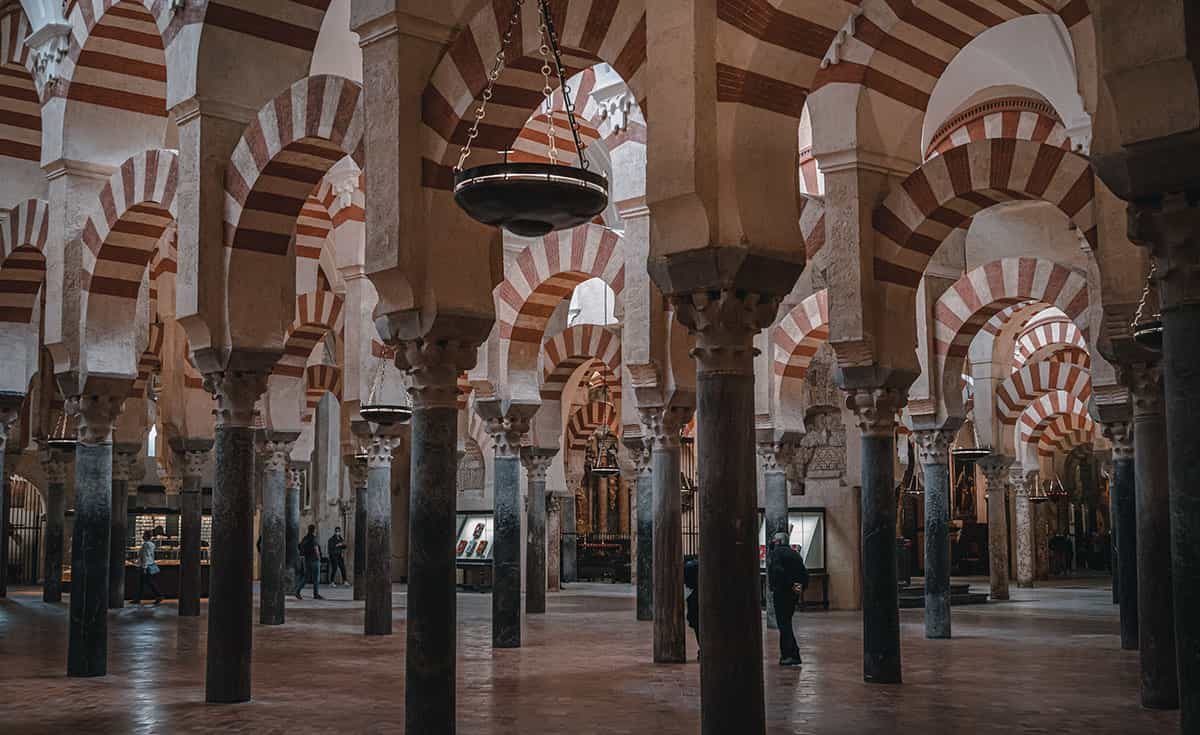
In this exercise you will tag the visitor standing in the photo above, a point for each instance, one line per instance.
(787, 577)
(148, 569)
(691, 590)
(310, 560)
(336, 550)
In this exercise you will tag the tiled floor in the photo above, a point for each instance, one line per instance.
(1046, 662)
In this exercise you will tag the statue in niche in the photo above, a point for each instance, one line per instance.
(964, 490)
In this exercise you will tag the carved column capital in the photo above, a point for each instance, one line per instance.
(553, 503)
(434, 366)
(358, 473)
(663, 425)
(725, 323)
(276, 453)
(54, 465)
(537, 462)
(1018, 480)
(506, 424)
(96, 415)
(1170, 227)
(639, 452)
(173, 484)
(933, 446)
(876, 409)
(379, 451)
(10, 409)
(124, 463)
(1145, 384)
(776, 456)
(995, 469)
(236, 392)
(1120, 435)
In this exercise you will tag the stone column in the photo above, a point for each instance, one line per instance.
(506, 424)
(1124, 527)
(54, 465)
(231, 554)
(1041, 538)
(124, 463)
(195, 454)
(554, 516)
(377, 614)
(10, 407)
(358, 482)
(276, 449)
(1154, 508)
(933, 451)
(429, 682)
(662, 426)
(536, 462)
(639, 452)
(291, 531)
(876, 410)
(570, 529)
(1022, 482)
(775, 457)
(995, 470)
(87, 650)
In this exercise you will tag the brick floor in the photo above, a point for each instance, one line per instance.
(1046, 662)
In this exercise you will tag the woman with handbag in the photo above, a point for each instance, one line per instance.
(149, 568)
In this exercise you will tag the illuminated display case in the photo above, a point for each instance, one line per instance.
(807, 536)
(475, 539)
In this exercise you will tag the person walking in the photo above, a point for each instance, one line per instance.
(787, 577)
(336, 550)
(691, 589)
(149, 568)
(310, 560)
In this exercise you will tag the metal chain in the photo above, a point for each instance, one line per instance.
(1137, 317)
(493, 75)
(548, 93)
(548, 22)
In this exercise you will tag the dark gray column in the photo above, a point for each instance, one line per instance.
(291, 532)
(195, 454)
(933, 451)
(377, 616)
(775, 456)
(662, 426)
(995, 469)
(644, 510)
(554, 519)
(1158, 627)
(507, 422)
(876, 410)
(1124, 529)
(124, 464)
(55, 466)
(568, 547)
(10, 407)
(231, 555)
(431, 622)
(87, 650)
(358, 483)
(276, 450)
(536, 462)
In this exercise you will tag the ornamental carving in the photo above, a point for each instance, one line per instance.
(471, 471)
(822, 452)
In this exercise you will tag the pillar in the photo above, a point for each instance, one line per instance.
(995, 470)
(1153, 507)
(231, 554)
(358, 482)
(876, 409)
(377, 613)
(933, 452)
(1124, 528)
(10, 406)
(195, 454)
(291, 531)
(554, 516)
(87, 649)
(639, 452)
(568, 542)
(124, 463)
(1041, 539)
(506, 423)
(274, 589)
(775, 457)
(1023, 483)
(54, 465)
(536, 462)
(662, 427)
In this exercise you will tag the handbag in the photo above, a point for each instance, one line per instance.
(153, 568)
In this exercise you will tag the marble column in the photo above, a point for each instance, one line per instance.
(1041, 551)
(995, 469)
(55, 466)
(10, 407)
(231, 554)
(195, 454)
(662, 427)
(377, 613)
(639, 452)
(87, 650)
(876, 409)
(506, 423)
(431, 622)
(358, 483)
(124, 464)
(1158, 629)
(291, 531)
(274, 589)
(1123, 489)
(554, 516)
(568, 544)
(775, 456)
(536, 462)
(1022, 483)
(933, 452)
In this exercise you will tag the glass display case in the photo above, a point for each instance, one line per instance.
(475, 539)
(807, 527)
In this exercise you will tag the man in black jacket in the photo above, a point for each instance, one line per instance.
(310, 561)
(787, 577)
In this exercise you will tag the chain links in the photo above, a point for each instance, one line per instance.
(493, 75)
(548, 23)
(548, 93)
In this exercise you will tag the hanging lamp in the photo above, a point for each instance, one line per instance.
(65, 434)
(973, 452)
(383, 414)
(531, 199)
(1148, 328)
(1039, 494)
(602, 454)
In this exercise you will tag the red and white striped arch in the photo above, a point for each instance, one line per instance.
(948, 190)
(283, 155)
(150, 362)
(1029, 383)
(812, 224)
(20, 109)
(1015, 118)
(22, 259)
(1048, 334)
(548, 270)
(794, 341)
(1065, 433)
(116, 57)
(566, 351)
(586, 419)
(319, 380)
(130, 217)
(317, 314)
(1038, 415)
(533, 142)
(590, 31)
